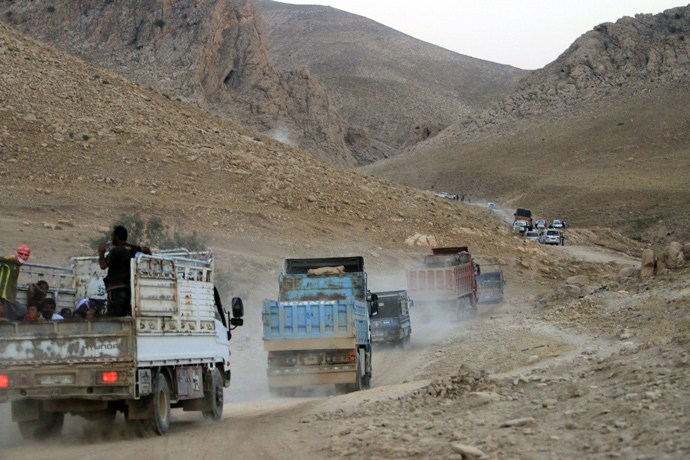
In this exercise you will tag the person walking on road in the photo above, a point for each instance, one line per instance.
(117, 282)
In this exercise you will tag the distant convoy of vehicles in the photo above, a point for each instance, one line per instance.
(538, 230)
(173, 350)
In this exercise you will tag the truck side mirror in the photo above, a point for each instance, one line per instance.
(374, 308)
(237, 307)
(410, 303)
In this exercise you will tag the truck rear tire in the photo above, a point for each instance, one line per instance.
(160, 418)
(216, 398)
(47, 425)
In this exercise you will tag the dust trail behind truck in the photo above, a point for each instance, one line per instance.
(317, 333)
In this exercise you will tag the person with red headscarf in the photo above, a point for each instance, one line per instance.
(9, 272)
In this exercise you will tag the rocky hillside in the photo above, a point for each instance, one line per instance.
(396, 89)
(598, 137)
(83, 145)
(211, 53)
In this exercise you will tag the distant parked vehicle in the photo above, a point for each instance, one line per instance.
(556, 224)
(550, 236)
(443, 195)
(491, 205)
(539, 224)
(532, 235)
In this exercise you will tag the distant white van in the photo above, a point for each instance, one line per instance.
(491, 205)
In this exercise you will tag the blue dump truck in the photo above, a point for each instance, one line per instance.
(392, 324)
(318, 332)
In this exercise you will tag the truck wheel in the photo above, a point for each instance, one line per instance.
(216, 398)
(47, 425)
(160, 419)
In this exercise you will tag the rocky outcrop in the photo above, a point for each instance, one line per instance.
(211, 53)
(672, 257)
(630, 55)
(648, 264)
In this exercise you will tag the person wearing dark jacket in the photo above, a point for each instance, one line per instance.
(117, 282)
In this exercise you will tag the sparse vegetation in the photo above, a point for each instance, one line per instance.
(165, 96)
(159, 23)
(71, 135)
(178, 99)
(50, 9)
(152, 232)
(85, 137)
(105, 82)
(96, 76)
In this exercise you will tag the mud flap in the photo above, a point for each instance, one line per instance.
(25, 410)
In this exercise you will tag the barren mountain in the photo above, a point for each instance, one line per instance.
(397, 89)
(211, 53)
(90, 144)
(598, 137)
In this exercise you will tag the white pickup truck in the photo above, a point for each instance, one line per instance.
(172, 352)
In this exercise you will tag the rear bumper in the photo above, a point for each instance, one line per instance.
(64, 383)
(386, 335)
(311, 375)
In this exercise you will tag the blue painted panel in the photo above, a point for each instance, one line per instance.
(316, 319)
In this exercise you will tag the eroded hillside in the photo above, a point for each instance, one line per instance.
(211, 53)
(399, 90)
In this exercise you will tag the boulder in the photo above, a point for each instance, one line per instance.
(628, 274)
(578, 280)
(673, 256)
(647, 266)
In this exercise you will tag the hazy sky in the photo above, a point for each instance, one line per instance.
(524, 33)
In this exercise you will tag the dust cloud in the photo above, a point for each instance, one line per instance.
(281, 133)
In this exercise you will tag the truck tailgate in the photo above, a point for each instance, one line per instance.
(66, 342)
(314, 324)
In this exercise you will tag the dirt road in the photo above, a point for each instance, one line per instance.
(579, 377)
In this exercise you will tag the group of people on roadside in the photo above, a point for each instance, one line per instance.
(41, 307)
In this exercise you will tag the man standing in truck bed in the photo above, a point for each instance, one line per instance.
(118, 264)
(9, 272)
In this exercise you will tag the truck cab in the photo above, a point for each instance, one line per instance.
(392, 324)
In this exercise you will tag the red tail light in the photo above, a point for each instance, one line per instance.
(109, 377)
(4, 381)
(352, 355)
(270, 355)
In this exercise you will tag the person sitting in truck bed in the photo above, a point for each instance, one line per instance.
(118, 264)
(34, 314)
(48, 307)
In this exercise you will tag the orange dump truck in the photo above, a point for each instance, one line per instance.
(446, 281)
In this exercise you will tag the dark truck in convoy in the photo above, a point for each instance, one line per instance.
(392, 324)
(490, 284)
(445, 281)
(317, 332)
(523, 216)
